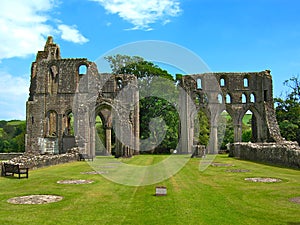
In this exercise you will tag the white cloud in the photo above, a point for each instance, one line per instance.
(142, 13)
(14, 92)
(25, 25)
(70, 33)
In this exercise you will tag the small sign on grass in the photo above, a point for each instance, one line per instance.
(160, 191)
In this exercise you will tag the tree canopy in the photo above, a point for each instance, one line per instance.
(159, 118)
(288, 110)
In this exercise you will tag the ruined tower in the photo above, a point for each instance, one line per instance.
(65, 97)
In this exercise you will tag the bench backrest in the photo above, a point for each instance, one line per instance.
(11, 168)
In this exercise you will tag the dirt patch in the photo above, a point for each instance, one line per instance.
(295, 200)
(75, 181)
(35, 199)
(263, 179)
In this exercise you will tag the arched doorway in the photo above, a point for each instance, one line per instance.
(247, 127)
(100, 137)
(104, 134)
(225, 130)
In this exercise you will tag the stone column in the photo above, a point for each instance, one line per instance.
(108, 139)
(238, 132)
(136, 124)
(185, 123)
(213, 140)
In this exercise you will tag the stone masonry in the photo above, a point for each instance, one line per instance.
(236, 93)
(65, 91)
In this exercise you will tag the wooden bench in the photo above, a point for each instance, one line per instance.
(85, 156)
(11, 169)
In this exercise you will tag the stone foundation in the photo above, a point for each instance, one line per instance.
(285, 153)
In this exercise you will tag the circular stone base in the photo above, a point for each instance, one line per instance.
(35, 199)
(263, 179)
(75, 181)
(238, 171)
(295, 200)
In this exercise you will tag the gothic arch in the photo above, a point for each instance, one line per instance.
(82, 69)
(256, 125)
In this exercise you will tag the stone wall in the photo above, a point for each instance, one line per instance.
(33, 161)
(9, 156)
(285, 153)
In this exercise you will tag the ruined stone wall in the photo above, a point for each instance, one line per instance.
(236, 93)
(34, 161)
(8, 156)
(284, 153)
(63, 87)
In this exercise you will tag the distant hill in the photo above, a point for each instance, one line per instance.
(12, 135)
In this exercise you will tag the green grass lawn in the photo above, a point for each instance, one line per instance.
(213, 196)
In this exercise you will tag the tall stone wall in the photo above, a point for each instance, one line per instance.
(236, 93)
(284, 153)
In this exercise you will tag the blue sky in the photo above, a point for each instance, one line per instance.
(229, 35)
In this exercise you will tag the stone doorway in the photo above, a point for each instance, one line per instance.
(104, 138)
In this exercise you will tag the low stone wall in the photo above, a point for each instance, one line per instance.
(32, 161)
(9, 156)
(285, 153)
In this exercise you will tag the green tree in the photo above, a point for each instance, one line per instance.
(203, 126)
(229, 131)
(158, 96)
(288, 111)
(13, 136)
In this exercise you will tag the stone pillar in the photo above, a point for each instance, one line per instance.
(136, 124)
(238, 132)
(213, 146)
(185, 123)
(108, 139)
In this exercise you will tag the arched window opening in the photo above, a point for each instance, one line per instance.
(199, 83)
(69, 124)
(252, 98)
(119, 83)
(247, 127)
(220, 98)
(222, 82)
(228, 98)
(246, 82)
(244, 98)
(82, 70)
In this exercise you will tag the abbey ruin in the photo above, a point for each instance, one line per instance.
(65, 91)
